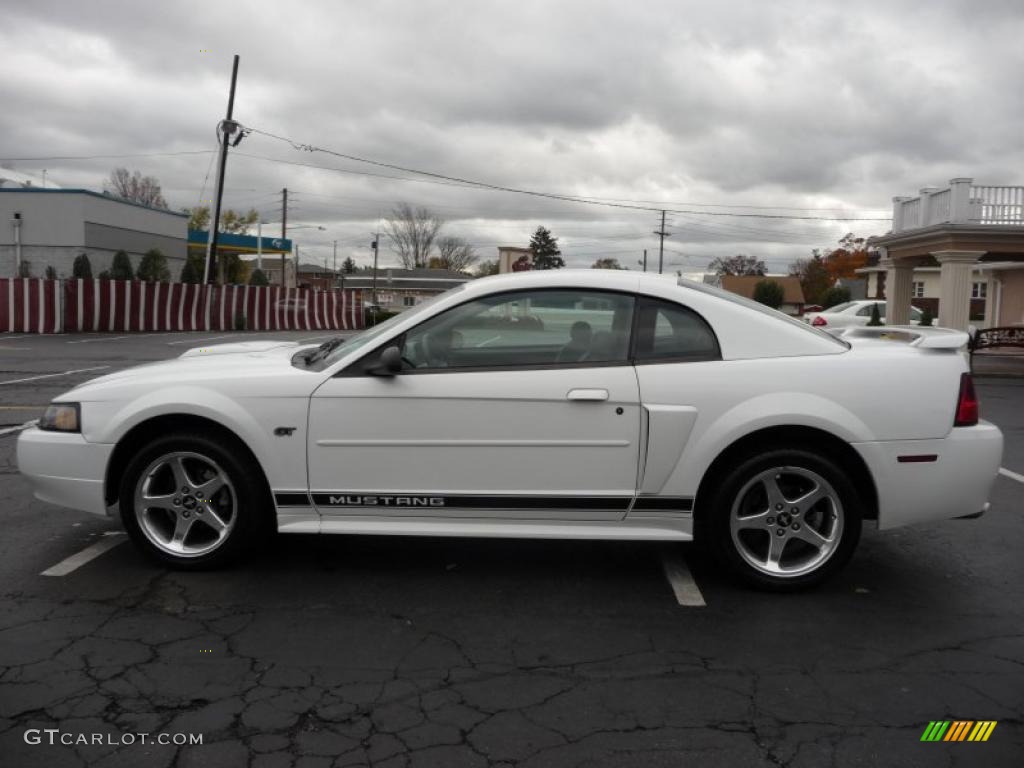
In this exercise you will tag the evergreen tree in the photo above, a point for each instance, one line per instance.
(546, 254)
(258, 277)
(348, 266)
(153, 267)
(192, 272)
(875, 317)
(51, 272)
(769, 293)
(121, 267)
(81, 268)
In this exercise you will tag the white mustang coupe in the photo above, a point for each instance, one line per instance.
(561, 404)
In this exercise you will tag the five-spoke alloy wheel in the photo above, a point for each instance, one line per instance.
(193, 500)
(785, 519)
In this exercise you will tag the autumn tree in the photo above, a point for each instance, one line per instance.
(545, 251)
(814, 277)
(608, 263)
(231, 221)
(740, 264)
(135, 187)
(454, 253)
(522, 264)
(851, 255)
(412, 232)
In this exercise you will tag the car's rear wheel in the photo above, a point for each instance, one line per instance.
(785, 519)
(191, 501)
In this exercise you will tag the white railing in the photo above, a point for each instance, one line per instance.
(999, 205)
(962, 202)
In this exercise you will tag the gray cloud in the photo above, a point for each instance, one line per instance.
(797, 104)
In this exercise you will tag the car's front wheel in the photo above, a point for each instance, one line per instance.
(190, 501)
(785, 519)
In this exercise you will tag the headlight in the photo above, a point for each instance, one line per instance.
(61, 417)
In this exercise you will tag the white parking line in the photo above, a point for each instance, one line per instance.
(196, 341)
(1012, 475)
(51, 375)
(93, 341)
(20, 427)
(110, 540)
(680, 579)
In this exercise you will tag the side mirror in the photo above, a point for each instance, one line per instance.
(389, 363)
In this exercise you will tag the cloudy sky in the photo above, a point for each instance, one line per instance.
(795, 109)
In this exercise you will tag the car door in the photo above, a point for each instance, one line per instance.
(520, 405)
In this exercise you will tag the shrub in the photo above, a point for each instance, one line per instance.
(258, 277)
(82, 267)
(926, 317)
(192, 271)
(875, 317)
(121, 267)
(769, 293)
(104, 275)
(837, 294)
(153, 267)
(51, 272)
(25, 268)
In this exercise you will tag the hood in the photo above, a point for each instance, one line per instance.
(258, 363)
(241, 347)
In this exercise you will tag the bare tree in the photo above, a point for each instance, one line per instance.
(412, 232)
(740, 264)
(454, 253)
(144, 190)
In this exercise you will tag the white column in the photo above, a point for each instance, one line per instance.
(899, 277)
(955, 287)
(960, 200)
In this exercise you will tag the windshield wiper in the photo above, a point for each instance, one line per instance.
(323, 350)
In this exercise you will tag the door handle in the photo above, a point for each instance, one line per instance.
(592, 395)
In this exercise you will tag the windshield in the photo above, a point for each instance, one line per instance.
(368, 335)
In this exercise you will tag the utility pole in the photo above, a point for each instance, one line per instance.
(373, 286)
(661, 247)
(284, 229)
(645, 259)
(224, 130)
(334, 277)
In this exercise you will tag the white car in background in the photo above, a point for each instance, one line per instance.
(552, 404)
(853, 313)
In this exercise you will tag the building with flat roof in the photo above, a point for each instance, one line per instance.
(399, 289)
(45, 227)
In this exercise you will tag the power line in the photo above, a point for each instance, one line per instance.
(108, 157)
(548, 195)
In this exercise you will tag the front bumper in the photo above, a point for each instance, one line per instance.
(64, 468)
(956, 484)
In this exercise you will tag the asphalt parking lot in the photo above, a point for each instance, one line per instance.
(335, 651)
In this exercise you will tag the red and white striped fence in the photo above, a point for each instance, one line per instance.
(33, 305)
(30, 305)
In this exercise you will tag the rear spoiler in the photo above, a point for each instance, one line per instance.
(912, 335)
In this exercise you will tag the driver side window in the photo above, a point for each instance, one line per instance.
(525, 328)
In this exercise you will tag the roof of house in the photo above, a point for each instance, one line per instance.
(744, 286)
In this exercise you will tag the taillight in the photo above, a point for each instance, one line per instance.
(966, 403)
(819, 321)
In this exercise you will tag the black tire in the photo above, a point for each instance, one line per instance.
(742, 492)
(246, 528)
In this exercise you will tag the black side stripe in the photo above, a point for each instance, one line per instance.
(291, 499)
(378, 500)
(663, 504)
(511, 502)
